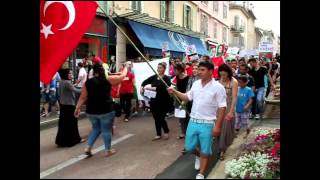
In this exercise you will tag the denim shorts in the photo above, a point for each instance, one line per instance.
(199, 134)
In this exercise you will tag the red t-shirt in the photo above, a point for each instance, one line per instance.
(189, 70)
(114, 91)
(127, 84)
(217, 61)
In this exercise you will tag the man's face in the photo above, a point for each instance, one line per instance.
(242, 84)
(243, 70)
(161, 69)
(229, 64)
(204, 73)
(177, 72)
(253, 64)
(241, 62)
(234, 64)
(195, 70)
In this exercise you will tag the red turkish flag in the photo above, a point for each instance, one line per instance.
(217, 61)
(62, 25)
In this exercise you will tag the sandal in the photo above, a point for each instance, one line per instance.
(180, 137)
(156, 138)
(88, 152)
(110, 152)
(166, 136)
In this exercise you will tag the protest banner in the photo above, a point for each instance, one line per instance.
(142, 71)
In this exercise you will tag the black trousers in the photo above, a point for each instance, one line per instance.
(125, 102)
(159, 119)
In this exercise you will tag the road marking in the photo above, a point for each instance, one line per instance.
(80, 157)
(44, 122)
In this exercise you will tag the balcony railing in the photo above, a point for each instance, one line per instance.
(236, 29)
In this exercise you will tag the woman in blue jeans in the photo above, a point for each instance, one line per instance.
(99, 106)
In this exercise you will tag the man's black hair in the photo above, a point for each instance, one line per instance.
(252, 59)
(207, 64)
(243, 78)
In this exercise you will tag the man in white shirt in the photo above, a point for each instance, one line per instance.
(209, 97)
(82, 76)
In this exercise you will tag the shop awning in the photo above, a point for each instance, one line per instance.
(152, 37)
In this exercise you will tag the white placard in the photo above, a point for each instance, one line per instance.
(149, 93)
(191, 49)
(179, 113)
(265, 47)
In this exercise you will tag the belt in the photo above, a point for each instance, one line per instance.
(202, 121)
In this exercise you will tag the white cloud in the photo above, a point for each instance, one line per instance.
(267, 14)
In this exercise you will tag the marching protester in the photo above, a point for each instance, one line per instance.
(126, 93)
(99, 106)
(234, 67)
(231, 86)
(171, 69)
(209, 98)
(112, 65)
(68, 132)
(82, 76)
(243, 71)
(244, 101)
(182, 82)
(160, 102)
(240, 62)
(258, 73)
(50, 96)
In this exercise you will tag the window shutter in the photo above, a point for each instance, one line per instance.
(191, 19)
(133, 4)
(139, 6)
(184, 15)
(162, 10)
(171, 11)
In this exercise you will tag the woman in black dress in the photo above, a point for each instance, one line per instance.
(159, 104)
(68, 132)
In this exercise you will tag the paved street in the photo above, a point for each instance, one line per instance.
(137, 156)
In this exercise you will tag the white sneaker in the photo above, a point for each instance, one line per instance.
(200, 176)
(197, 163)
(257, 116)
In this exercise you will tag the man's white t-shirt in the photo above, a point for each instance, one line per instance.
(207, 99)
(82, 77)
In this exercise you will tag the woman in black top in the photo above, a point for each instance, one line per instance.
(97, 95)
(159, 105)
(182, 82)
(68, 132)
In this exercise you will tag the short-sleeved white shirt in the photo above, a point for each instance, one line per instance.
(207, 99)
(82, 77)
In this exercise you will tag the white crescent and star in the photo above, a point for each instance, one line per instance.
(46, 30)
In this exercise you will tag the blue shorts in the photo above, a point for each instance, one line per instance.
(199, 134)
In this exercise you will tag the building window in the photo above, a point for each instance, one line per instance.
(187, 14)
(215, 30)
(224, 34)
(167, 11)
(204, 24)
(236, 21)
(225, 9)
(241, 41)
(236, 41)
(204, 2)
(215, 6)
(136, 5)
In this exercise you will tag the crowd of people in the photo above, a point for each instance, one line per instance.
(217, 107)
